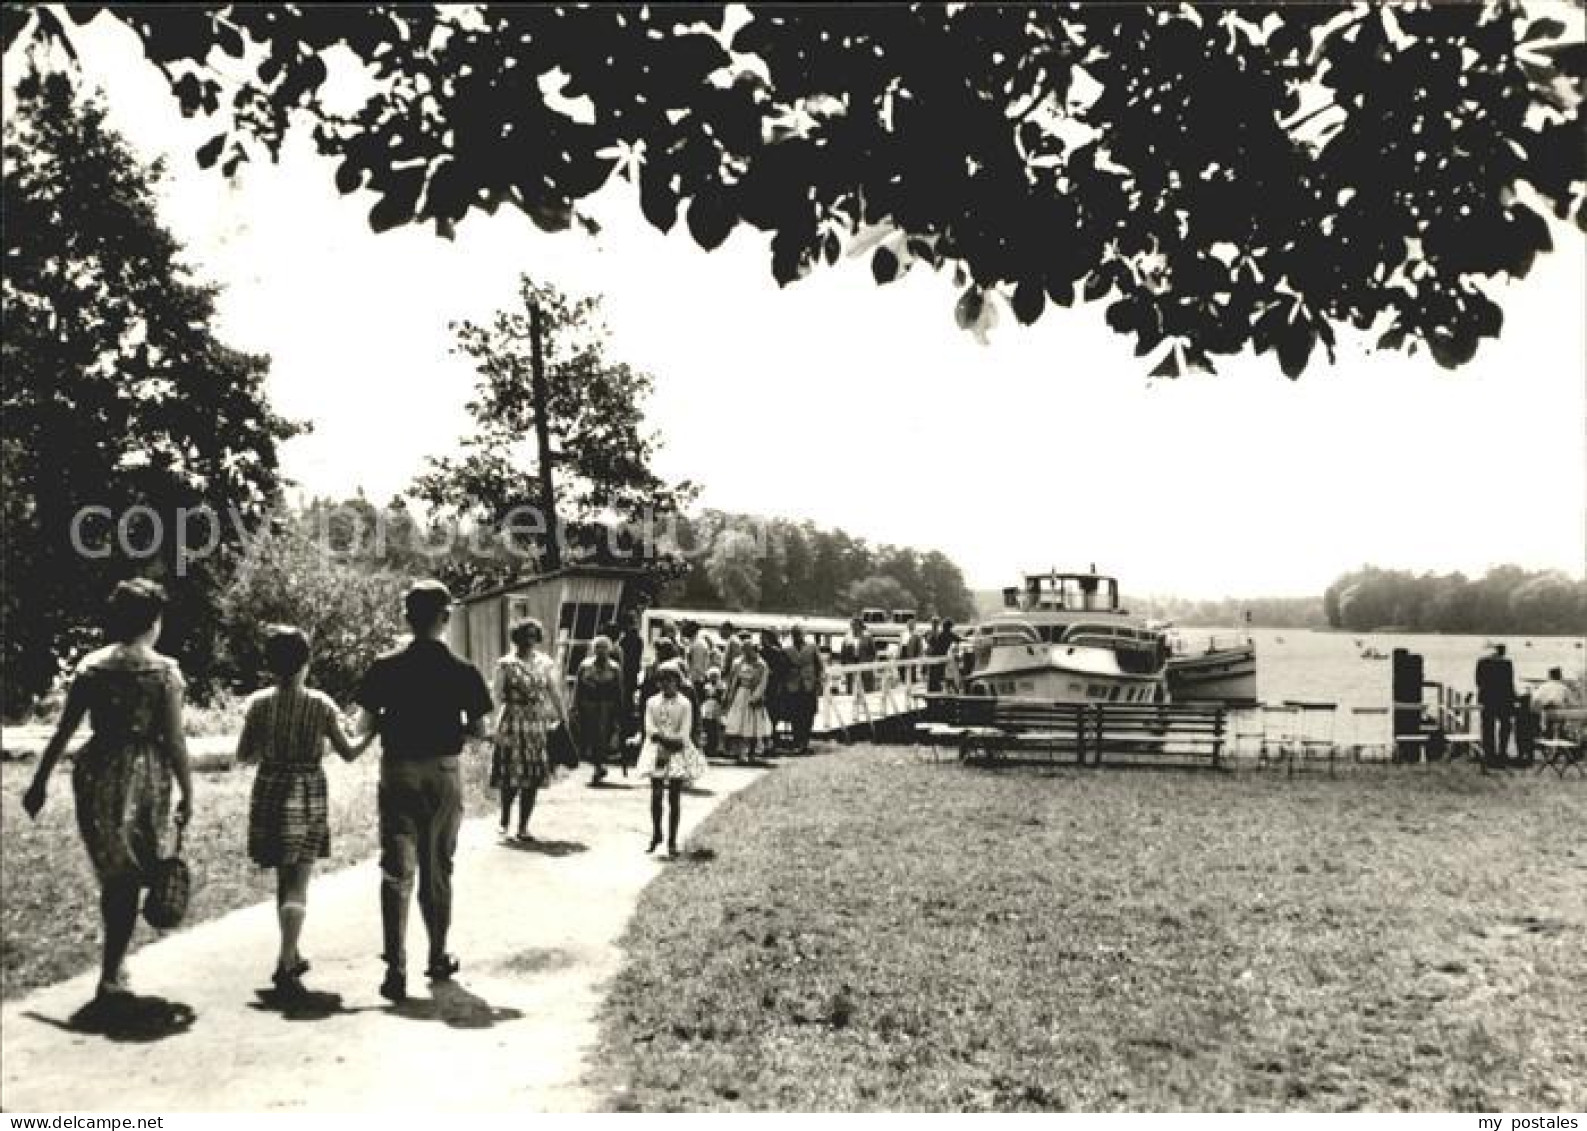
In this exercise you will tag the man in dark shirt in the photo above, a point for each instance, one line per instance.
(424, 701)
(1496, 696)
(632, 647)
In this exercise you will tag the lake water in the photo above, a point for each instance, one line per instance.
(1299, 664)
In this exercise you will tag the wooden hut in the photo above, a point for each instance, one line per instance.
(572, 603)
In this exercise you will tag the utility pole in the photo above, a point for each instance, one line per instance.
(548, 499)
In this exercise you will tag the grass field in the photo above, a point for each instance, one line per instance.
(49, 910)
(862, 931)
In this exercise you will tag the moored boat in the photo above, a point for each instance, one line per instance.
(1064, 638)
(1221, 669)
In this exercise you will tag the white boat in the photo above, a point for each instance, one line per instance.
(1063, 638)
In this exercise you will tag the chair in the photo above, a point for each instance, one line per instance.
(1563, 745)
(1370, 729)
(1314, 732)
(1413, 740)
(1459, 734)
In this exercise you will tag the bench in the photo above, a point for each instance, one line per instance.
(987, 729)
(1124, 733)
(982, 728)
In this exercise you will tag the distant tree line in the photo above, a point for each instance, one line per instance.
(1507, 599)
(1265, 612)
(779, 565)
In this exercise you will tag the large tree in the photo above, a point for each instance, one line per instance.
(606, 494)
(117, 395)
(1223, 177)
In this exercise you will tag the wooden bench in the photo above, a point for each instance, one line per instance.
(982, 728)
(1125, 733)
(994, 730)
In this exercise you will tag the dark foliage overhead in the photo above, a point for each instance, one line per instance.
(1219, 176)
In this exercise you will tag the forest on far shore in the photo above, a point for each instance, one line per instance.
(1506, 600)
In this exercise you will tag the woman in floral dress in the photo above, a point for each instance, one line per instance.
(122, 776)
(669, 757)
(526, 688)
(597, 707)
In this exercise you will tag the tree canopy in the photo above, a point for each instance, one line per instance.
(595, 417)
(117, 396)
(1222, 177)
(1506, 599)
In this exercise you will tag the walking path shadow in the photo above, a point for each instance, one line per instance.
(133, 1019)
(537, 931)
(454, 1006)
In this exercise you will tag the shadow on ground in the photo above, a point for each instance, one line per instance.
(455, 1007)
(134, 1019)
(547, 847)
(311, 1005)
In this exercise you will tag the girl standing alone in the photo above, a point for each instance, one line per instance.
(669, 757)
(288, 823)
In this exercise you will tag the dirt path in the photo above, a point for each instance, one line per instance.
(537, 932)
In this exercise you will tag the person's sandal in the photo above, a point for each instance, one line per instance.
(441, 969)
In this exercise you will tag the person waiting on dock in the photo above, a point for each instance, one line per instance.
(731, 646)
(711, 712)
(911, 647)
(746, 723)
(1495, 677)
(778, 665)
(425, 701)
(667, 646)
(631, 646)
(942, 645)
(699, 658)
(669, 757)
(121, 778)
(805, 673)
(1551, 696)
(597, 709)
(859, 647)
(284, 732)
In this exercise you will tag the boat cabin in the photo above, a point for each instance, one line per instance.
(1064, 592)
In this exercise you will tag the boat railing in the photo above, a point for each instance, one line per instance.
(1213, 642)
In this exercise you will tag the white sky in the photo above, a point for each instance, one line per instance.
(865, 408)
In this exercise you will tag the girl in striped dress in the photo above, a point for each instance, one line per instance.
(288, 823)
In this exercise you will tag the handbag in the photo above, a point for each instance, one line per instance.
(561, 749)
(170, 888)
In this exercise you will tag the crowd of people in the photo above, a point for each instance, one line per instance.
(731, 693)
(421, 700)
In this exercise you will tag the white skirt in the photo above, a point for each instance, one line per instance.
(744, 721)
(686, 765)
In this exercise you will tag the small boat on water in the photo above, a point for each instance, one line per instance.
(1372, 652)
(1064, 637)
